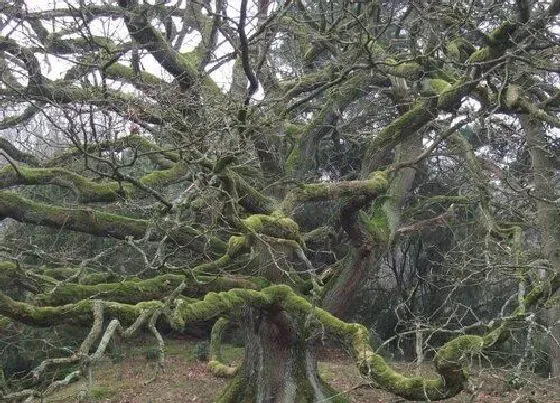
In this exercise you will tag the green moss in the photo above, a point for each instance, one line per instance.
(376, 184)
(87, 190)
(7, 268)
(448, 359)
(79, 313)
(275, 225)
(221, 370)
(459, 49)
(97, 278)
(216, 365)
(451, 97)
(481, 55)
(215, 304)
(145, 145)
(213, 266)
(136, 290)
(294, 159)
(250, 198)
(165, 177)
(130, 291)
(502, 33)
(4, 323)
(452, 50)
(118, 71)
(83, 220)
(237, 245)
(59, 273)
(379, 181)
(409, 70)
(236, 391)
(435, 86)
(306, 83)
(393, 134)
(293, 130)
(376, 223)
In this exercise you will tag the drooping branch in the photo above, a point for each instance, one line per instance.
(215, 362)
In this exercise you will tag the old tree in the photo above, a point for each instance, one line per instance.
(166, 163)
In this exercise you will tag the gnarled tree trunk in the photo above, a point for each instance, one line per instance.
(279, 365)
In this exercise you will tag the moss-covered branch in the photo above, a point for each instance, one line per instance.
(445, 98)
(86, 190)
(371, 188)
(215, 363)
(396, 132)
(13, 121)
(148, 37)
(252, 200)
(449, 359)
(135, 290)
(99, 223)
(30, 62)
(275, 225)
(61, 92)
(12, 276)
(79, 313)
(519, 102)
(302, 158)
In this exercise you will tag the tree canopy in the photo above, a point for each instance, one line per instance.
(291, 166)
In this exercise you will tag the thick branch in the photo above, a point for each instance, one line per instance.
(16, 154)
(147, 36)
(13, 121)
(98, 223)
(86, 190)
(369, 189)
(135, 291)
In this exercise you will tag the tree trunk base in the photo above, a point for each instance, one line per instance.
(279, 364)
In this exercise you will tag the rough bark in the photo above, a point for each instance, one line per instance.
(548, 216)
(279, 363)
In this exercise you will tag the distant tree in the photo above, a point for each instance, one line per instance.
(260, 161)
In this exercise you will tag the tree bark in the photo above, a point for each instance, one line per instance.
(548, 216)
(279, 365)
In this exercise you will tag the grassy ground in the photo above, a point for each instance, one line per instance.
(185, 379)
